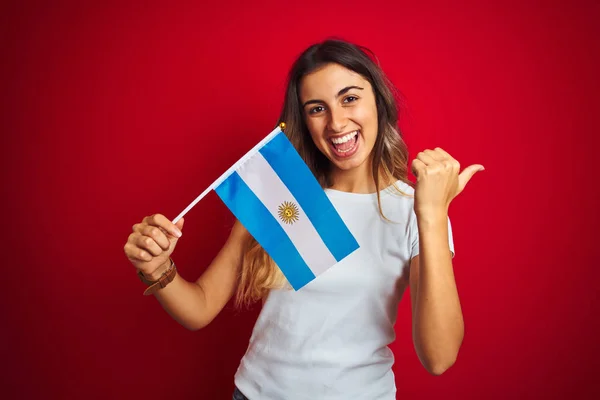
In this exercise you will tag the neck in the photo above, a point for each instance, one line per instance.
(355, 180)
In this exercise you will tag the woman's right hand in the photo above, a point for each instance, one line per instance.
(151, 243)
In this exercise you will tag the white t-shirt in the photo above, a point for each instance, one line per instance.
(329, 340)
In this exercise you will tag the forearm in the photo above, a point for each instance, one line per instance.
(437, 321)
(185, 302)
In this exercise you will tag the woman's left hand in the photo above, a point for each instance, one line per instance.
(438, 181)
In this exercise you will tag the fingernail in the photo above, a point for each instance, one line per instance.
(177, 233)
(482, 168)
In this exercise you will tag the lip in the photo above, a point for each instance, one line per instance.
(342, 134)
(343, 156)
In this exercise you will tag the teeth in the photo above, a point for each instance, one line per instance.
(344, 138)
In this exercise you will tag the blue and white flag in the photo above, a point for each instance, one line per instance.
(273, 193)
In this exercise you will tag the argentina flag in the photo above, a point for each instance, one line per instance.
(273, 193)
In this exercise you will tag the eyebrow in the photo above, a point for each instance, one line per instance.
(340, 93)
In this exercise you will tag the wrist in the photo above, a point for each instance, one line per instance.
(431, 217)
(158, 272)
(165, 276)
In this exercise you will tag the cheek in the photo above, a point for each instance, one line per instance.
(368, 114)
(315, 132)
(368, 118)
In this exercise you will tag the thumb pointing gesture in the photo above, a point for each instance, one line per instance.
(467, 174)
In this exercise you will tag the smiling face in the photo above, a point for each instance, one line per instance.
(341, 115)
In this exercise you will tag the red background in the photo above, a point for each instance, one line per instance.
(111, 112)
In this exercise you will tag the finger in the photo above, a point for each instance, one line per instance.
(467, 174)
(135, 253)
(425, 158)
(148, 244)
(139, 228)
(157, 234)
(447, 159)
(443, 153)
(417, 166)
(435, 155)
(163, 222)
(179, 224)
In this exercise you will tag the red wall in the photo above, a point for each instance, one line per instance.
(111, 112)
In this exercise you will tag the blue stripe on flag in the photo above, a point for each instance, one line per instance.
(255, 217)
(300, 181)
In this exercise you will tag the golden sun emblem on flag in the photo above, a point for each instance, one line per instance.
(288, 212)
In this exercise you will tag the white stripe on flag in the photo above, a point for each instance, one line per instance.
(272, 192)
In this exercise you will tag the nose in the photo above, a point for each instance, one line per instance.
(337, 120)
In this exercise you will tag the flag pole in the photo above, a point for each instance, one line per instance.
(226, 174)
(188, 208)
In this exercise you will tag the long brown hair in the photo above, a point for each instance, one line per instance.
(389, 155)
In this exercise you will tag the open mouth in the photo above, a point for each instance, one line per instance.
(345, 146)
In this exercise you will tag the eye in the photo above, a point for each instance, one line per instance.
(315, 109)
(350, 99)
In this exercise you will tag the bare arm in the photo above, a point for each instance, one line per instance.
(437, 326)
(193, 304)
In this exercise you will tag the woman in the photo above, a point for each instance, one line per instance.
(330, 339)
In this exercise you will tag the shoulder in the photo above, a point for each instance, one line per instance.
(396, 205)
(400, 194)
(403, 188)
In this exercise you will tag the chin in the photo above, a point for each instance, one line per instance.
(349, 164)
(346, 165)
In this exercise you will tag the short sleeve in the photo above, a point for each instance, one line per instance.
(414, 237)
